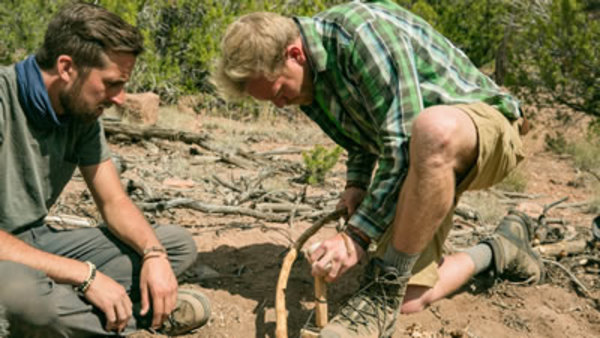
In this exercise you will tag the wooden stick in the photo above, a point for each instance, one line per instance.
(562, 249)
(284, 274)
(320, 302)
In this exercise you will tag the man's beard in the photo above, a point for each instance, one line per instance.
(75, 107)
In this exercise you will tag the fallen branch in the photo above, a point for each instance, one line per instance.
(574, 278)
(283, 207)
(211, 209)
(513, 194)
(112, 128)
(284, 274)
(562, 249)
(68, 220)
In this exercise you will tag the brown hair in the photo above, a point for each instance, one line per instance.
(86, 32)
(253, 45)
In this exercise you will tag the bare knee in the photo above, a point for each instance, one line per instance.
(443, 136)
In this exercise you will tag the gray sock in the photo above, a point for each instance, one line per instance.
(481, 254)
(402, 261)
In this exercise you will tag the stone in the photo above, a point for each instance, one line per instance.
(140, 108)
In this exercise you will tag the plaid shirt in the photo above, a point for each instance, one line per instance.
(376, 66)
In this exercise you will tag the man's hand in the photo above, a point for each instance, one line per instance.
(159, 285)
(351, 199)
(335, 256)
(110, 297)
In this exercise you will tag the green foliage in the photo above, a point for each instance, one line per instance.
(318, 162)
(584, 151)
(557, 50)
(545, 45)
(20, 23)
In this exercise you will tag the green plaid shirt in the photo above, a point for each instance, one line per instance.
(376, 66)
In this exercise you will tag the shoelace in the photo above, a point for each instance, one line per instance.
(372, 298)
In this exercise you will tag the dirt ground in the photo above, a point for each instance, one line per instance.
(239, 257)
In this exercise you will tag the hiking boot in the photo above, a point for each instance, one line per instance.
(372, 312)
(512, 251)
(191, 312)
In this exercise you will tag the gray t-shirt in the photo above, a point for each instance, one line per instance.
(36, 164)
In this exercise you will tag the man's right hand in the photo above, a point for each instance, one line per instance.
(110, 297)
(351, 199)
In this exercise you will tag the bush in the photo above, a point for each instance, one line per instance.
(318, 162)
(549, 45)
(555, 49)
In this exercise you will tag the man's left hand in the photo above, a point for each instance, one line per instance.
(159, 285)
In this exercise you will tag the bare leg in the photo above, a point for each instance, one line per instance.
(443, 145)
(454, 271)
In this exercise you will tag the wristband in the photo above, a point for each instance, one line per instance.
(85, 285)
(359, 237)
(154, 248)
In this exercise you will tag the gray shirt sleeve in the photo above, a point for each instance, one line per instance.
(92, 147)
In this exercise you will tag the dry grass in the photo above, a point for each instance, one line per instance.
(488, 206)
(516, 181)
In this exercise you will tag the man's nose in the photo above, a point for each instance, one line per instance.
(119, 98)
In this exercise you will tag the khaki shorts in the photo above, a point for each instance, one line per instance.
(500, 150)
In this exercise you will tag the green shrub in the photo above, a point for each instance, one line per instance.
(318, 162)
(556, 50)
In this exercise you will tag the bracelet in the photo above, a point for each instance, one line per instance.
(153, 255)
(85, 285)
(356, 184)
(154, 248)
(359, 237)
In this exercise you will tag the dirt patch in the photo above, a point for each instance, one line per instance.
(239, 257)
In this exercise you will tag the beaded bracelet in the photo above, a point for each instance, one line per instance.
(85, 285)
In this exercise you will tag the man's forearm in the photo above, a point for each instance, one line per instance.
(128, 223)
(59, 269)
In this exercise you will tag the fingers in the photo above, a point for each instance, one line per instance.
(145, 299)
(123, 314)
(333, 257)
(158, 316)
(111, 319)
(118, 315)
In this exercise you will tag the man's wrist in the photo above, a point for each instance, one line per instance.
(91, 276)
(356, 184)
(155, 251)
(358, 237)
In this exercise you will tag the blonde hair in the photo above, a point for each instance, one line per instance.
(253, 45)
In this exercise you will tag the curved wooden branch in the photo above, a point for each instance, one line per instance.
(284, 274)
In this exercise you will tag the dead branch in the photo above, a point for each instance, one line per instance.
(211, 209)
(283, 207)
(574, 278)
(574, 205)
(284, 274)
(226, 184)
(467, 213)
(513, 194)
(280, 151)
(562, 249)
(69, 220)
(112, 128)
(549, 206)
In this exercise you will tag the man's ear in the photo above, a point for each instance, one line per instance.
(65, 68)
(296, 52)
